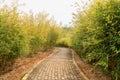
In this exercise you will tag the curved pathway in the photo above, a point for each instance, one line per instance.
(59, 66)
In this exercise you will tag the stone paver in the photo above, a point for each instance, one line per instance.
(59, 66)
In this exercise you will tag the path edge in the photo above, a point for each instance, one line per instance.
(28, 73)
(81, 73)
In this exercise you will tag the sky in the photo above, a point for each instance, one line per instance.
(61, 9)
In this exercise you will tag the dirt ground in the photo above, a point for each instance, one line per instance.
(23, 65)
(88, 70)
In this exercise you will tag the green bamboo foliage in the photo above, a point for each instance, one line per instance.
(97, 36)
(22, 35)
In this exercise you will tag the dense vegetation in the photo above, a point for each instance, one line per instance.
(64, 37)
(97, 36)
(23, 35)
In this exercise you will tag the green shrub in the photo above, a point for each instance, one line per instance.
(13, 41)
(63, 42)
(51, 38)
(22, 35)
(36, 43)
(13, 44)
(97, 35)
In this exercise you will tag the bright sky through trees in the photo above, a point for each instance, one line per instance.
(61, 9)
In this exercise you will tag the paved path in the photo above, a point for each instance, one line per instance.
(59, 66)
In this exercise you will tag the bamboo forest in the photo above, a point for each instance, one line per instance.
(93, 34)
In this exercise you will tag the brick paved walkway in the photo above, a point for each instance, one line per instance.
(59, 66)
